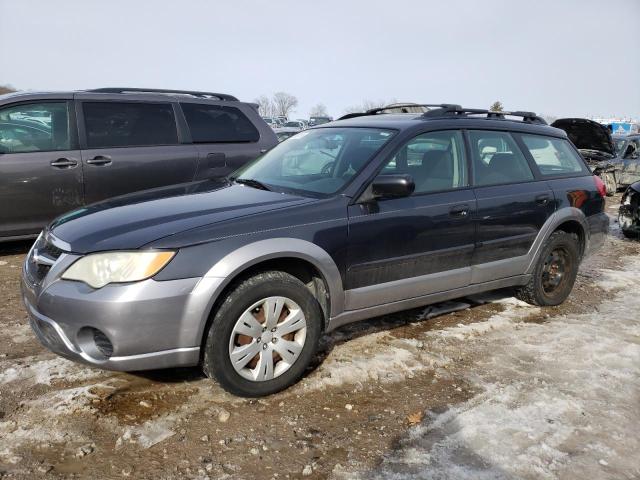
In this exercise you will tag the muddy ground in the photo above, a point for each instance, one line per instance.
(373, 389)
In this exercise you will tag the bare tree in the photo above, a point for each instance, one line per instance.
(265, 106)
(284, 103)
(319, 110)
(496, 106)
(6, 89)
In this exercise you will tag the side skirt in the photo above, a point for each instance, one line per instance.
(370, 312)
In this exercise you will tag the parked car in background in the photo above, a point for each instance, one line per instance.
(629, 213)
(272, 122)
(595, 143)
(362, 217)
(284, 133)
(628, 151)
(314, 121)
(295, 124)
(61, 151)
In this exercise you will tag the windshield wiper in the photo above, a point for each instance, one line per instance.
(250, 182)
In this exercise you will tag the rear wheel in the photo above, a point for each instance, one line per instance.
(263, 336)
(555, 272)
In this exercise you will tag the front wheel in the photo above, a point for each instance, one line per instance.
(555, 272)
(263, 336)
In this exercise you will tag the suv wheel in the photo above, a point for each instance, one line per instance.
(555, 272)
(263, 336)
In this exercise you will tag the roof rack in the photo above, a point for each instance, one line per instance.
(458, 111)
(219, 96)
(379, 110)
(450, 110)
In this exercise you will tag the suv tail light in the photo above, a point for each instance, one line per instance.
(602, 189)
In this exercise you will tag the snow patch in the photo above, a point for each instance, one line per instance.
(46, 371)
(559, 399)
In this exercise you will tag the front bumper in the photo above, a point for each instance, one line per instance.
(149, 324)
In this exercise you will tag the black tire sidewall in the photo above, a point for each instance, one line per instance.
(252, 290)
(570, 244)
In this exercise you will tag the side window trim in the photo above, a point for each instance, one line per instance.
(403, 143)
(82, 127)
(536, 168)
(516, 142)
(74, 143)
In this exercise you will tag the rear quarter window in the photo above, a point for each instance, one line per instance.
(218, 124)
(553, 156)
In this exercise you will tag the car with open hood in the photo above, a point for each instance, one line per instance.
(364, 216)
(629, 212)
(616, 162)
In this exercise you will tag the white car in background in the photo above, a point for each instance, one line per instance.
(295, 124)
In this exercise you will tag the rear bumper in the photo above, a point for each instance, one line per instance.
(598, 231)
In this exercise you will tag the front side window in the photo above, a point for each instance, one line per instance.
(35, 127)
(553, 156)
(435, 161)
(119, 124)
(218, 124)
(497, 159)
(319, 161)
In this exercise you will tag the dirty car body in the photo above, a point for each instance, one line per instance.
(374, 214)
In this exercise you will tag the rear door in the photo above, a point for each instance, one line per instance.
(223, 135)
(129, 146)
(40, 169)
(513, 204)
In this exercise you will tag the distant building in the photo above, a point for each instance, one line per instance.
(620, 126)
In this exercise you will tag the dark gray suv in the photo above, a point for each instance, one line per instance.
(360, 217)
(61, 151)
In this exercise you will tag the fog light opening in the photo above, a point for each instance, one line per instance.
(95, 343)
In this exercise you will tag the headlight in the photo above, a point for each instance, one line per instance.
(100, 269)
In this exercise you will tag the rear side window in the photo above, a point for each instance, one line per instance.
(218, 124)
(35, 127)
(497, 159)
(553, 156)
(116, 124)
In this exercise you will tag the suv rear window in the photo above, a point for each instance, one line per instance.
(116, 124)
(553, 156)
(497, 159)
(218, 124)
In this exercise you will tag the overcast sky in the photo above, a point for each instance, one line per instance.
(557, 57)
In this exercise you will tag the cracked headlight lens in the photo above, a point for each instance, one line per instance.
(100, 269)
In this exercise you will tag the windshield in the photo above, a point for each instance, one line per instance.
(319, 161)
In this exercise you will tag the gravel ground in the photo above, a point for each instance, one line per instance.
(492, 389)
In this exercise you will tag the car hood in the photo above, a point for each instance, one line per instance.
(586, 134)
(132, 221)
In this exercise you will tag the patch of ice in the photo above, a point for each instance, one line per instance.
(45, 371)
(148, 434)
(559, 399)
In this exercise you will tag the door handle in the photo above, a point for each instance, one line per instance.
(64, 163)
(100, 160)
(543, 199)
(459, 211)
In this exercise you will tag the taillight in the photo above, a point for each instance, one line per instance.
(602, 189)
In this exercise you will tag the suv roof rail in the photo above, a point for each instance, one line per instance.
(458, 111)
(220, 96)
(379, 110)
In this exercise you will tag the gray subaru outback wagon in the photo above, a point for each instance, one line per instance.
(61, 151)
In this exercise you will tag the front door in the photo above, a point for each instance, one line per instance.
(413, 246)
(512, 205)
(40, 169)
(132, 146)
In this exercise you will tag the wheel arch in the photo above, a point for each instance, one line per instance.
(294, 256)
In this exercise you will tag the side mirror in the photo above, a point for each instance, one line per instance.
(392, 186)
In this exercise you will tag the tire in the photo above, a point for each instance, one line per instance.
(542, 289)
(273, 362)
(610, 183)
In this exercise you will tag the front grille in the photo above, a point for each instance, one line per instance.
(36, 270)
